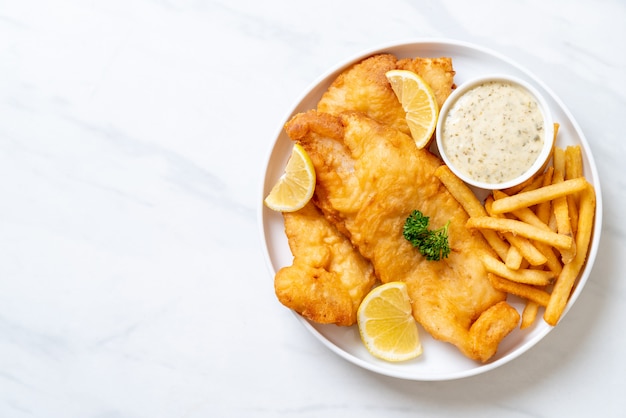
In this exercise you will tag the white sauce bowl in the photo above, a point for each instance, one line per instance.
(492, 149)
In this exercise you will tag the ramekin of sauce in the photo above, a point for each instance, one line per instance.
(495, 132)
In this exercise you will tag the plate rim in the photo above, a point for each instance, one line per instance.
(437, 43)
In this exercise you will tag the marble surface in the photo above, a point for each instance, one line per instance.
(133, 138)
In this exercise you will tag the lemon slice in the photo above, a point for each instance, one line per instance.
(386, 323)
(295, 187)
(419, 103)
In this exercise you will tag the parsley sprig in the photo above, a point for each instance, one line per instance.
(431, 244)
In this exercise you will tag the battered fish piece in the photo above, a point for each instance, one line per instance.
(437, 72)
(369, 178)
(328, 278)
(364, 87)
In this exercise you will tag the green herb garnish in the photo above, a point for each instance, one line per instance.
(431, 244)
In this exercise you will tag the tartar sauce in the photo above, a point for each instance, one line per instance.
(494, 132)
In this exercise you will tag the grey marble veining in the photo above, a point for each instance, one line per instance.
(133, 141)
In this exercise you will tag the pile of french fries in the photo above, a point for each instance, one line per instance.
(539, 231)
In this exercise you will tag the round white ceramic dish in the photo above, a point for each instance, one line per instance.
(493, 146)
(440, 361)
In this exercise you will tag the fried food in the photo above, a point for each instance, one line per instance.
(370, 177)
(328, 278)
(525, 199)
(561, 194)
(527, 275)
(364, 88)
(437, 72)
(522, 229)
(464, 195)
(528, 292)
(567, 279)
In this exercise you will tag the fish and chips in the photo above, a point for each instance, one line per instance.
(529, 241)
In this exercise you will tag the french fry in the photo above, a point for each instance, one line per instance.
(527, 276)
(522, 290)
(547, 220)
(573, 162)
(499, 246)
(573, 169)
(558, 159)
(520, 228)
(513, 258)
(528, 216)
(565, 281)
(535, 184)
(532, 183)
(552, 222)
(544, 209)
(572, 208)
(561, 212)
(521, 248)
(460, 191)
(472, 206)
(542, 194)
(488, 203)
(552, 261)
(561, 215)
(529, 314)
(526, 249)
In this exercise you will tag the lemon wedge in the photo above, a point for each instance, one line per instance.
(386, 323)
(419, 103)
(295, 187)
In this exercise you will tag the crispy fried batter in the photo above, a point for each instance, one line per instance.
(328, 278)
(436, 72)
(369, 178)
(364, 87)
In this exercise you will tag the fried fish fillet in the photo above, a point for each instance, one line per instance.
(364, 87)
(438, 73)
(370, 176)
(328, 278)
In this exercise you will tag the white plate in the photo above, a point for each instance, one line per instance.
(440, 361)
